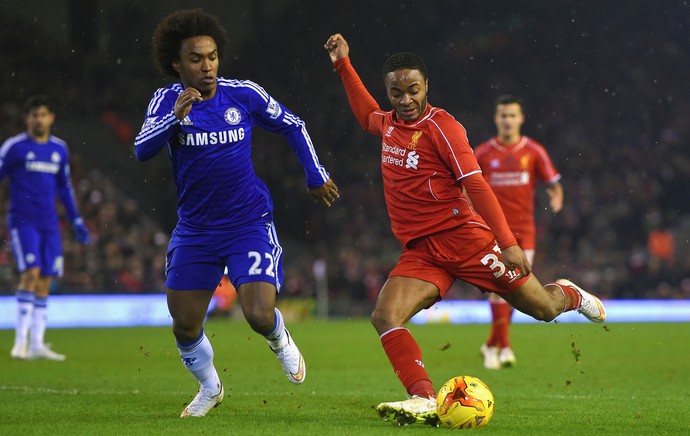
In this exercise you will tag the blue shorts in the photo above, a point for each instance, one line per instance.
(251, 254)
(37, 248)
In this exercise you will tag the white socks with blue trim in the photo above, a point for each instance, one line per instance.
(277, 338)
(197, 357)
(38, 322)
(25, 309)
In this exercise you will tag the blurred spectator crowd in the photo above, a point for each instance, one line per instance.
(604, 92)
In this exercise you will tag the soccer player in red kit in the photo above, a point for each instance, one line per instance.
(426, 160)
(512, 164)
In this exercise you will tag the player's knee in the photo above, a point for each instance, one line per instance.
(546, 314)
(383, 320)
(259, 319)
(28, 279)
(185, 333)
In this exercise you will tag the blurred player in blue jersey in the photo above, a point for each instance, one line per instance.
(37, 164)
(225, 212)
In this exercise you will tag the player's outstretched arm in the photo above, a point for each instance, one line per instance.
(326, 193)
(337, 47)
(361, 102)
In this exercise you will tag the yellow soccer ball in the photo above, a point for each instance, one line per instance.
(464, 402)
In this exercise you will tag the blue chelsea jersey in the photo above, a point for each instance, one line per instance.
(211, 153)
(38, 172)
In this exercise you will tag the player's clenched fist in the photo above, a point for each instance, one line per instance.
(183, 105)
(337, 47)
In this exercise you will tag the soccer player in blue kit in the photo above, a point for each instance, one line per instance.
(37, 164)
(225, 212)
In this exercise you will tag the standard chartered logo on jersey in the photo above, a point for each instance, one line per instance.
(395, 155)
(412, 160)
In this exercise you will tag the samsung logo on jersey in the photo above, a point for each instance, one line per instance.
(42, 167)
(201, 139)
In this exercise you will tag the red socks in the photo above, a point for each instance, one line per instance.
(406, 357)
(572, 297)
(501, 312)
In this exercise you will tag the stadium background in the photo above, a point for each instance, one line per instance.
(605, 87)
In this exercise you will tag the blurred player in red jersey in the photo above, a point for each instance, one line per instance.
(512, 164)
(426, 161)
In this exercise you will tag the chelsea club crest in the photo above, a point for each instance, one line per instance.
(232, 116)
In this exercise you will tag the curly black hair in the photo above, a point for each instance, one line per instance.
(180, 25)
(403, 61)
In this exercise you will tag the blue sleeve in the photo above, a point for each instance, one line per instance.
(5, 159)
(274, 117)
(66, 192)
(159, 126)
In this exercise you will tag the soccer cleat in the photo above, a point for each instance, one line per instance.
(293, 363)
(590, 306)
(204, 401)
(410, 411)
(490, 357)
(44, 352)
(19, 352)
(506, 357)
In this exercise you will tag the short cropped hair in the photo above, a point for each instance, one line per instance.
(180, 25)
(36, 101)
(508, 99)
(404, 61)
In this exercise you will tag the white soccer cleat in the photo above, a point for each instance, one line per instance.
(204, 401)
(19, 352)
(490, 357)
(44, 352)
(410, 411)
(506, 357)
(590, 306)
(293, 363)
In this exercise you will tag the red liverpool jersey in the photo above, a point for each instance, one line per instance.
(423, 165)
(513, 172)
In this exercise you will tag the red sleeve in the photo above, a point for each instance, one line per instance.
(362, 103)
(487, 205)
(452, 144)
(546, 172)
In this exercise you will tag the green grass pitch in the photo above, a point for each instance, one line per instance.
(577, 379)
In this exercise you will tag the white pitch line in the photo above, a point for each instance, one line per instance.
(75, 391)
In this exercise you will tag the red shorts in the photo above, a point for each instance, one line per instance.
(469, 253)
(526, 238)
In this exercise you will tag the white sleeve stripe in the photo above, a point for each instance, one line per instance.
(312, 152)
(292, 119)
(159, 96)
(156, 129)
(246, 84)
(455, 158)
(468, 174)
(155, 101)
(7, 145)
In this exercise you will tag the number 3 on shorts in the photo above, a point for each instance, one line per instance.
(491, 260)
(255, 269)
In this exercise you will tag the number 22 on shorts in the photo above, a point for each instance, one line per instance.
(255, 268)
